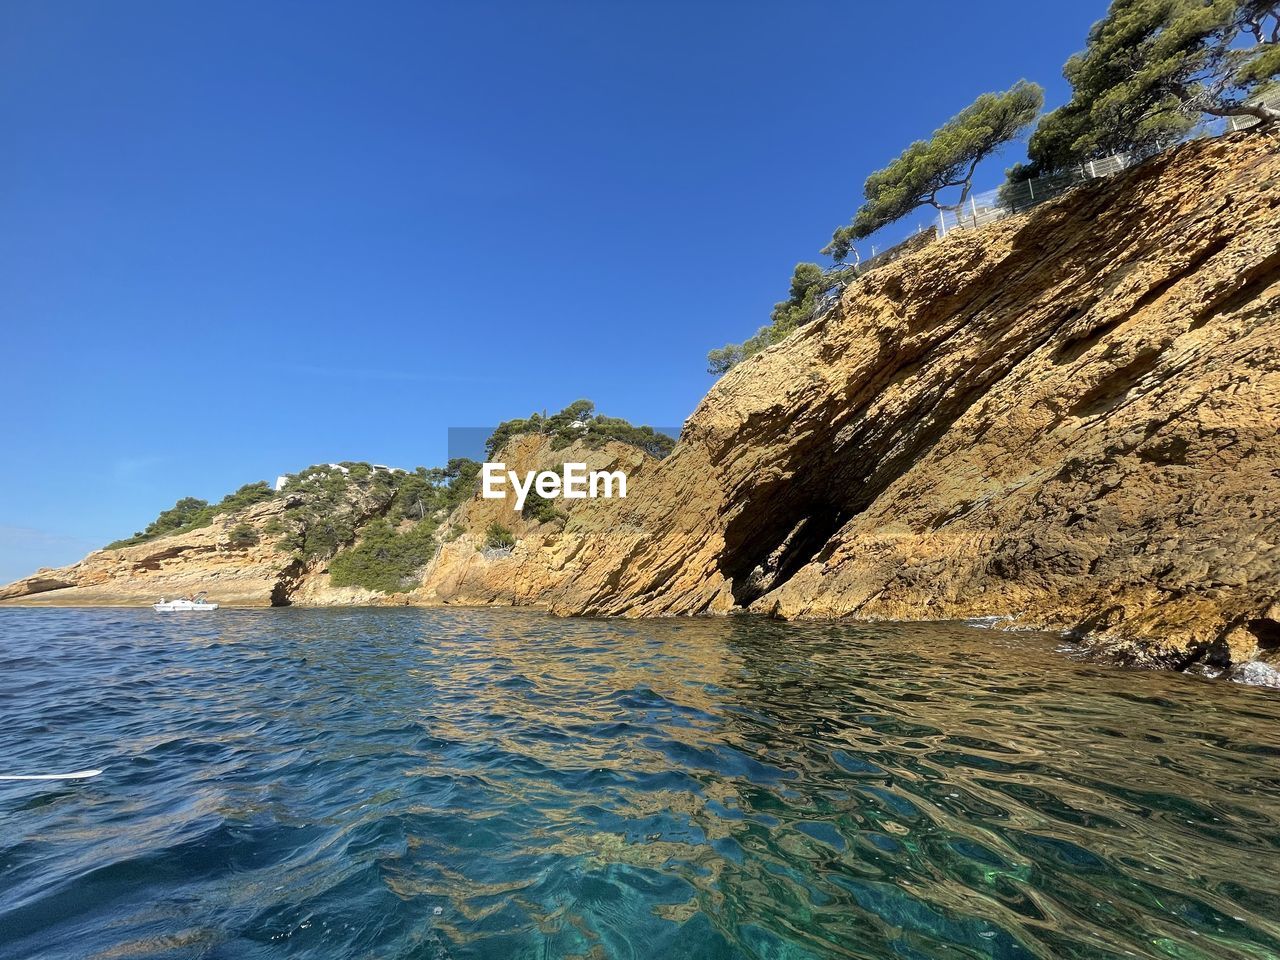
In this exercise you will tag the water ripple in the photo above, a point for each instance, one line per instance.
(488, 783)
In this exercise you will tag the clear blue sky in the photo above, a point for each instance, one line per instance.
(241, 238)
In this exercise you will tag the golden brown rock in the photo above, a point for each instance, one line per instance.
(173, 566)
(542, 561)
(204, 559)
(1068, 419)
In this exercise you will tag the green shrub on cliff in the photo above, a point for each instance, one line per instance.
(242, 536)
(191, 513)
(809, 284)
(319, 520)
(425, 491)
(184, 514)
(580, 422)
(329, 508)
(246, 496)
(541, 509)
(602, 429)
(316, 535)
(462, 475)
(498, 537)
(417, 495)
(385, 558)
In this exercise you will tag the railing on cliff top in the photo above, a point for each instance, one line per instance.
(1013, 198)
(1010, 198)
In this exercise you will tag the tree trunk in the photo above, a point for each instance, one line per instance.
(1263, 113)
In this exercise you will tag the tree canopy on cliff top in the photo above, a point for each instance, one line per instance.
(918, 176)
(191, 513)
(579, 421)
(1151, 69)
(809, 283)
(945, 161)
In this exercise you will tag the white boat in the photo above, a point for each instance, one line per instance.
(192, 604)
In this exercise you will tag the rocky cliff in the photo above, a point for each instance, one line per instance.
(544, 559)
(202, 559)
(273, 571)
(209, 558)
(1068, 419)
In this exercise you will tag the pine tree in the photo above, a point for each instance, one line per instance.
(946, 161)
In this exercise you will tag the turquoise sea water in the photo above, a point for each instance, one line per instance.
(490, 783)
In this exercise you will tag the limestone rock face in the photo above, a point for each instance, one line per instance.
(172, 566)
(544, 558)
(1070, 419)
(203, 559)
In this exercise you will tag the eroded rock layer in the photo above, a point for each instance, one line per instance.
(1069, 419)
(262, 572)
